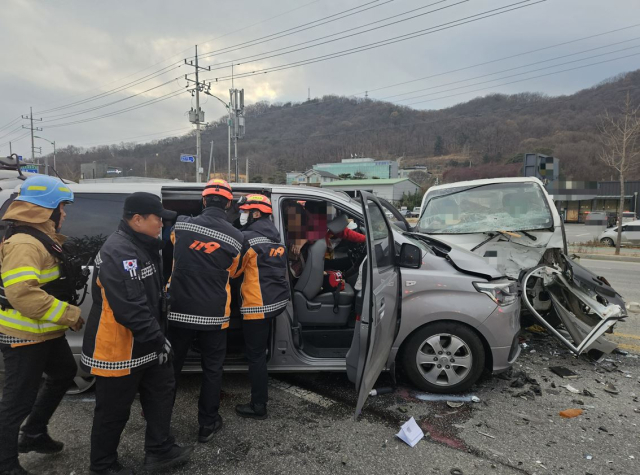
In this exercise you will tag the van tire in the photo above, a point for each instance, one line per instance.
(459, 377)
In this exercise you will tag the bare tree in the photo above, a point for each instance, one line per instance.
(620, 139)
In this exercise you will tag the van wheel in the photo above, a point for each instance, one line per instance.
(444, 357)
(607, 242)
(81, 384)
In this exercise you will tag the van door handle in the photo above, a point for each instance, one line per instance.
(382, 306)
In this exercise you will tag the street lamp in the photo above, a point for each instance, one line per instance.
(46, 159)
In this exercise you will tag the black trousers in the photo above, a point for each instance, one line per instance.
(23, 397)
(114, 397)
(256, 337)
(213, 349)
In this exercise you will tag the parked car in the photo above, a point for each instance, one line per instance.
(459, 314)
(630, 235)
(600, 218)
(628, 217)
(514, 225)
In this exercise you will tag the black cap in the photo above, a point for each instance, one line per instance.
(147, 203)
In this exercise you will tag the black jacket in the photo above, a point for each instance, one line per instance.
(265, 290)
(126, 325)
(206, 254)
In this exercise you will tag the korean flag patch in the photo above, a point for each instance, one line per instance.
(130, 265)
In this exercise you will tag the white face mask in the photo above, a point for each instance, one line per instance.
(244, 217)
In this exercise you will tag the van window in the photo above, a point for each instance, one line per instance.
(91, 219)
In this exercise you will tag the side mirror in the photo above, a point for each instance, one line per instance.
(401, 225)
(410, 256)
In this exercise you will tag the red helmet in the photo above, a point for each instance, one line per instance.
(217, 187)
(259, 202)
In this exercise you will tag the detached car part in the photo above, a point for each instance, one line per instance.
(583, 306)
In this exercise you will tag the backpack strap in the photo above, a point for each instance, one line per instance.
(49, 244)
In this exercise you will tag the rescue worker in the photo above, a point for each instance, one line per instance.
(206, 254)
(265, 294)
(125, 345)
(33, 322)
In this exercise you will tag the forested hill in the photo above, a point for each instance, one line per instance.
(490, 133)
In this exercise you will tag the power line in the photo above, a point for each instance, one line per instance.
(499, 59)
(386, 42)
(299, 28)
(514, 75)
(93, 144)
(84, 111)
(237, 62)
(528, 79)
(114, 91)
(184, 50)
(143, 104)
(10, 123)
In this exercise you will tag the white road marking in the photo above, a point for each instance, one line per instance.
(308, 396)
(585, 234)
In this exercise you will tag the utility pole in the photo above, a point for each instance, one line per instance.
(31, 119)
(210, 160)
(197, 117)
(46, 158)
(236, 100)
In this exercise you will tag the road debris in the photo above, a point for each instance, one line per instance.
(380, 391)
(455, 404)
(410, 433)
(611, 389)
(485, 434)
(563, 372)
(447, 397)
(571, 389)
(571, 413)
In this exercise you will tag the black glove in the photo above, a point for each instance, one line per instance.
(166, 353)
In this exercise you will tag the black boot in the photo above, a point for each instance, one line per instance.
(206, 433)
(174, 456)
(17, 470)
(41, 443)
(115, 469)
(252, 411)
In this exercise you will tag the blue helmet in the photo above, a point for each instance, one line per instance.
(45, 191)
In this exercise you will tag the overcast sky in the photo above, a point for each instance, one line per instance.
(60, 52)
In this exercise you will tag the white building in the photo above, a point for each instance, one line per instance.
(391, 189)
(310, 177)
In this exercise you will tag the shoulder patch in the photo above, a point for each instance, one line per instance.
(130, 264)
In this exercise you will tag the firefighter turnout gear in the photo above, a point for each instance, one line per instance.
(264, 290)
(265, 294)
(32, 324)
(206, 254)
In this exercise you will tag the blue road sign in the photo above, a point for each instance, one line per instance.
(29, 169)
(187, 158)
(20, 158)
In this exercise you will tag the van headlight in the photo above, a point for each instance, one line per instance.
(502, 292)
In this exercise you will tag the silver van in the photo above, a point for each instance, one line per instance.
(439, 312)
(514, 225)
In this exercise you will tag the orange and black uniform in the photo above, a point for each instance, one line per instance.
(206, 254)
(265, 294)
(123, 336)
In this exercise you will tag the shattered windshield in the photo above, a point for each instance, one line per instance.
(492, 207)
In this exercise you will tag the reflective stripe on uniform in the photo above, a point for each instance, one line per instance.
(55, 311)
(12, 340)
(196, 228)
(197, 319)
(117, 365)
(20, 274)
(261, 240)
(11, 318)
(265, 308)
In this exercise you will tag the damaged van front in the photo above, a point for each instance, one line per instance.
(514, 225)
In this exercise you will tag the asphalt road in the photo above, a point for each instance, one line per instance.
(625, 278)
(311, 427)
(582, 233)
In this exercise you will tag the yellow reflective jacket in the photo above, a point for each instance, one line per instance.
(25, 266)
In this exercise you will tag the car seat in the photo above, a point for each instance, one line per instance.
(312, 307)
